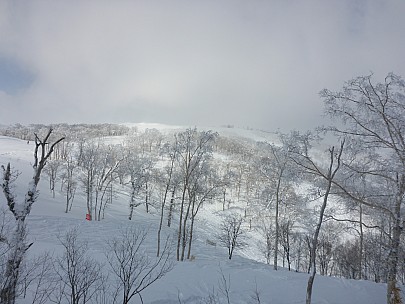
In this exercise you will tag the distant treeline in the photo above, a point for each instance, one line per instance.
(66, 130)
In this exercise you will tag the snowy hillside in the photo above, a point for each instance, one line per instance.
(208, 275)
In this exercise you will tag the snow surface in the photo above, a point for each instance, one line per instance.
(190, 281)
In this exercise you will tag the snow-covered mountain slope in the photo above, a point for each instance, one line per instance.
(228, 131)
(191, 281)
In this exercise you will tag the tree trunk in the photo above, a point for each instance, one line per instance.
(102, 202)
(67, 196)
(171, 207)
(146, 197)
(190, 238)
(162, 209)
(18, 248)
(393, 292)
(361, 276)
(277, 225)
(184, 233)
(315, 244)
(224, 200)
(132, 201)
(179, 234)
(230, 252)
(89, 192)
(329, 178)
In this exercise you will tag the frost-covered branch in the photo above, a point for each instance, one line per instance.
(17, 240)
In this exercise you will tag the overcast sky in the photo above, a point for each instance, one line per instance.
(253, 63)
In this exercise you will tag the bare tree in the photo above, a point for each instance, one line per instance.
(231, 234)
(285, 230)
(275, 167)
(88, 155)
(371, 116)
(99, 163)
(153, 139)
(300, 146)
(131, 265)
(17, 241)
(139, 169)
(69, 182)
(105, 173)
(37, 280)
(267, 231)
(204, 186)
(79, 275)
(194, 151)
(52, 171)
(168, 174)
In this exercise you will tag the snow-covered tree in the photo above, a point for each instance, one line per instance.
(231, 234)
(108, 161)
(52, 170)
(78, 275)
(168, 179)
(299, 146)
(275, 167)
(194, 151)
(68, 178)
(17, 240)
(132, 268)
(372, 118)
(139, 169)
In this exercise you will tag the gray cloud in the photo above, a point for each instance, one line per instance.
(247, 63)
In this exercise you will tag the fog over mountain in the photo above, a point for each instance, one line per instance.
(247, 63)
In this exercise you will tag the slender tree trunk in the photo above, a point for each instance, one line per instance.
(361, 245)
(89, 193)
(276, 241)
(96, 203)
(162, 209)
(190, 239)
(102, 202)
(146, 197)
(308, 241)
(184, 233)
(67, 196)
(132, 201)
(171, 207)
(230, 252)
(72, 195)
(69, 185)
(297, 266)
(315, 244)
(179, 234)
(393, 292)
(131, 211)
(224, 200)
(329, 178)
(288, 253)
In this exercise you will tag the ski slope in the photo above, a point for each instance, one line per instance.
(190, 281)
